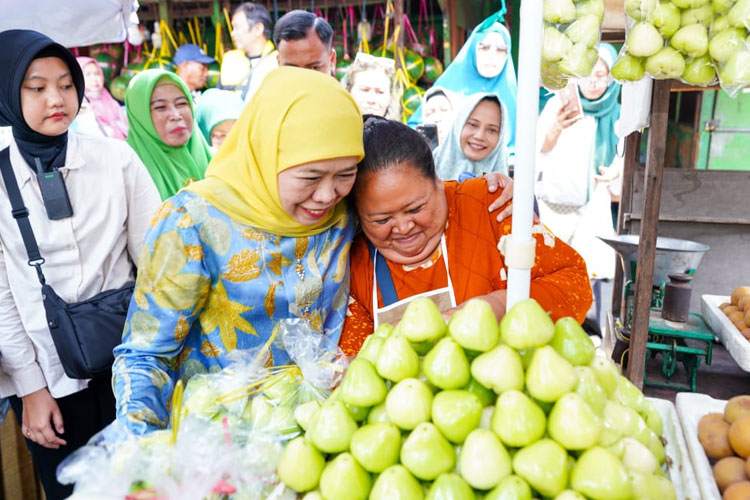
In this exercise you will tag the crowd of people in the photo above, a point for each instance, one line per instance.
(280, 194)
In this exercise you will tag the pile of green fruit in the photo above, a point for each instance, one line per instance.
(693, 40)
(510, 411)
(571, 34)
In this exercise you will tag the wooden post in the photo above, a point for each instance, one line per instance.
(657, 139)
(631, 161)
(456, 40)
(398, 20)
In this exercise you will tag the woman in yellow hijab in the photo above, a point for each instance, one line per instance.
(264, 237)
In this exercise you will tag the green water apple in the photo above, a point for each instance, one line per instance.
(331, 427)
(426, 452)
(544, 466)
(559, 11)
(421, 322)
(606, 372)
(397, 359)
(500, 369)
(722, 6)
(640, 10)
(584, 30)
(549, 375)
(590, 390)
(376, 446)
(396, 483)
(644, 40)
(450, 486)
(361, 385)
(517, 420)
(573, 424)
(483, 460)
(301, 465)
(526, 324)
(446, 366)
(456, 413)
(725, 43)
(628, 68)
(409, 403)
(594, 7)
(304, 413)
(344, 479)
(599, 474)
(691, 40)
(378, 414)
(511, 487)
(736, 72)
(572, 343)
(667, 63)
(371, 349)
(699, 71)
(579, 61)
(666, 18)
(474, 326)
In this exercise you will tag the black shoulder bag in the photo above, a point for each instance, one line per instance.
(84, 333)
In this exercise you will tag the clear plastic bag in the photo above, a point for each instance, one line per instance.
(698, 42)
(571, 39)
(228, 429)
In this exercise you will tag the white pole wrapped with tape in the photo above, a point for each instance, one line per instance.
(518, 249)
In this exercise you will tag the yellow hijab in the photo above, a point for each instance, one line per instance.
(297, 116)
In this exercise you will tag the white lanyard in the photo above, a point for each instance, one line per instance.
(392, 311)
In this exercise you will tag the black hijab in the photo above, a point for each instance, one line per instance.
(19, 48)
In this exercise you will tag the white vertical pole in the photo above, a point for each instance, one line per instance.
(529, 60)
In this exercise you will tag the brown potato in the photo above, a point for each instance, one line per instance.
(731, 309)
(739, 436)
(738, 491)
(737, 407)
(740, 324)
(746, 333)
(747, 467)
(736, 315)
(713, 434)
(729, 470)
(739, 292)
(724, 305)
(747, 317)
(744, 303)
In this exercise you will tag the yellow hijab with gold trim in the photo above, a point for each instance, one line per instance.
(296, 117)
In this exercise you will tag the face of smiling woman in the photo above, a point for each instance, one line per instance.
(481, 131)
(308, 192)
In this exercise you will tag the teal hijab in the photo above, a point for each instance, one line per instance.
(606, 111)
(450, 160)
(216, 106)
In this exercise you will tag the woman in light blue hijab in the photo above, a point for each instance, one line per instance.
(476, 143)
(484, 64)
(215, 113)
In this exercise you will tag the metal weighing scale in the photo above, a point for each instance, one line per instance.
(686, 341)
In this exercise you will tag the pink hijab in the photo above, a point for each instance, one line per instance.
(109, 114)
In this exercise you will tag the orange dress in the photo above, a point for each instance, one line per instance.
(559, 281)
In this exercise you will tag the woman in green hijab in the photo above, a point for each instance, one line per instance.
(162, 131)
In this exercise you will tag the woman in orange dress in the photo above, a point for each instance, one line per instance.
(423, 237)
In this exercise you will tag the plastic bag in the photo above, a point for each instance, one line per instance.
(695, 41)
(228, 428)
(571, 39)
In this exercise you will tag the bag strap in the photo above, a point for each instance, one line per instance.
(383, 275)
(21, 214)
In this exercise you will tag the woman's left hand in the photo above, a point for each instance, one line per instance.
(497, 180)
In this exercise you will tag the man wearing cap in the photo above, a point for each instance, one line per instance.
(192, 67)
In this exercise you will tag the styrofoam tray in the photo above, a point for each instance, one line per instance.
(690, 408)
(681, 471)
(737, 345)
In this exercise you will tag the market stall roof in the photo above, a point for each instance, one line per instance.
(72, 24)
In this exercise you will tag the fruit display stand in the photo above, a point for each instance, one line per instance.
(680, 471)
(705, 206)
(728, 334)
(690, 409)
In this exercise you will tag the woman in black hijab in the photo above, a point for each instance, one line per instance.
(90, 242)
